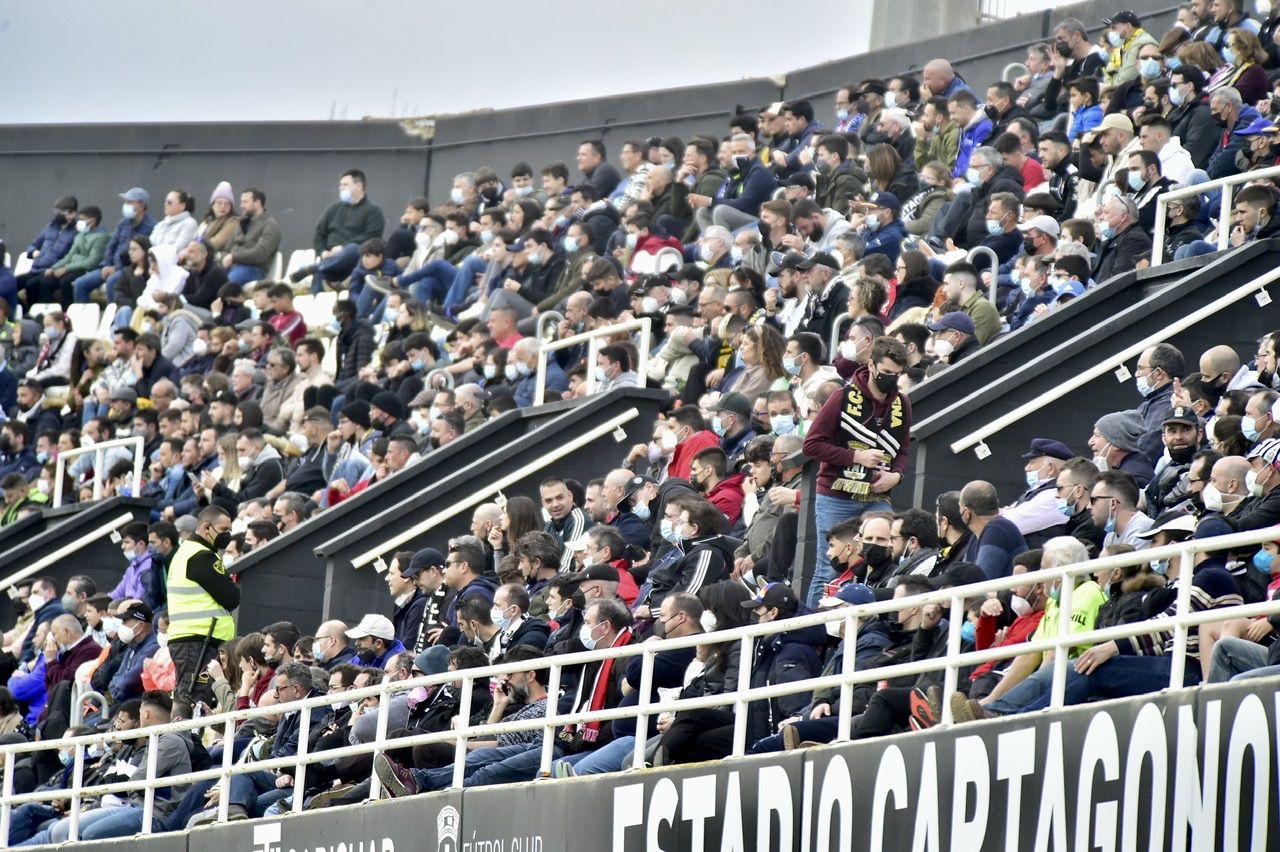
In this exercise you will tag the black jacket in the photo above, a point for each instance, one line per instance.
(706, 561)
(1119, 254)
(408, 618)
(1195, 128)
(1006, 179)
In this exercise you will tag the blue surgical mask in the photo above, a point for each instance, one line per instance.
(873, 224)
(1110, 526)
(717, 425)
(490, 371)
(42, 457)
(1263, 561)
(456, 196)
(334, 326)
(523, 369)
(1229, 55)
(1249, 426)
(1114, 38)
(1144, 386)
(486, 236)
(783, 424)
(1149, 68)
(969, 631)
(1173, 63)
(994, 228)
(667, 531)
(1135, 180)
(560, 221)
(570, 244)
(1066, 508)
(418, 365)
(641, 511)
(1160, 566)
(344, 195)
(510, 372)
(971, 175)
(842, 114)
(790, 365)
(1108, 232)
(585, 637)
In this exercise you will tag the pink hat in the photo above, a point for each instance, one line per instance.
(223, 190)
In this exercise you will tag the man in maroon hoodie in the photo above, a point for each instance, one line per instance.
(862, 438)
(710, 475)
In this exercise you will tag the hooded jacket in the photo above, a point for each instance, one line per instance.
(783, 658)
(266, 473)
(706, 561)
(726, 495)
(482, 586)
(180, 331)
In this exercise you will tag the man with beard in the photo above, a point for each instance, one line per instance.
(1183, 433)
(953, 534)
(915, 543)
(1075, 484)
(996, 539)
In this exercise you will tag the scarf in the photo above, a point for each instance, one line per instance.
(590, 732)
(1117, 54)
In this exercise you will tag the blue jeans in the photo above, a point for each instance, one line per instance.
(242, 273)
(1123, 676)
(95, 824)
(336, 267)
(26, 820)
(485, 766)
(90, 281)
(255, 791)
(822, 730)
(1233, 657)
(1195, 248)
(463, 281)
(828, 512)
(613, 757)
(1033, 693)
(431, 281)
(124, 314)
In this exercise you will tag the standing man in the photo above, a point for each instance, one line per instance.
(862, 438)
(348, 222)
(201, 598)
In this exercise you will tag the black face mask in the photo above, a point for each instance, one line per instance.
(760, 427)
(366, 656)
(1029, 245)
(741, 164)
(992, 112)
(379, 424)
(877, 555)
(886, 384)
(1182, 455)
(221, 540)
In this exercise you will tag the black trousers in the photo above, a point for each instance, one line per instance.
(697, 735)
(190, 655)
(888, 711)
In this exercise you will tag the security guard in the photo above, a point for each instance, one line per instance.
(201, 598)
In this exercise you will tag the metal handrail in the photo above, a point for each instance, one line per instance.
(849, 676)
(592, 339)
(1109, 363)
(463, 503)
(540, 328)
(994, 293)
(1226, 184)
(1018, 69)
(834, 341)
(99, 451)
(66, 550)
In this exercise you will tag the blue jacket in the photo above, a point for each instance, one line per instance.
(751, 188)
(1027, 309)
(556, 382)
(1223, 161)
(117, 250)
(801, 142)
(633, 530)
(290, 726)
(126, 683)
(52, 243)
(24, 463)
(971, 138)
(396, 647)
(29, 687)
(1083, 120)
(48, 612)
(887, 241)
(483, 586)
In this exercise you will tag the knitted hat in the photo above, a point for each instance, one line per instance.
(432, 661)
(223, 190)
(357, 412)
(387, 402)
(1122, 429)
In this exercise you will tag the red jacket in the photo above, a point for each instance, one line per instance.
(290, 326)
(682, 457)
(727, 496)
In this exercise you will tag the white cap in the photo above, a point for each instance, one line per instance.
(1044, 223)
(378, 626)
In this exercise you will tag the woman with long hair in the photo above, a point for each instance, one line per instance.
(762, 349)
(890, 173)
(520, 515)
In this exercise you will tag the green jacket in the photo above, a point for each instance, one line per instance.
(86, 251)
(836, 190)
(343, 224)
(942, 145)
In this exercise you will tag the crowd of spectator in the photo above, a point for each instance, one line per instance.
(752, 250)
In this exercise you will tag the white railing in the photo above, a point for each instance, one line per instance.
(993, 288)
(592, 339)
(464, 503)
(833, 343)
(1108, 364)
(540, 327)
(845, 681)
(1226, 184)
(99, 475)
(56, 556)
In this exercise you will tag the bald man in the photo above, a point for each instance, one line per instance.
(941, 79)
(1219, 366)
(331, 648)
(66, 647)
(485, 517)
(471, 400)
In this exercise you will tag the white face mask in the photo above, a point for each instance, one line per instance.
(943, 348)
(708, 621)
(1212, 498)
(833, 628)
(1020, 605)
(36, 602)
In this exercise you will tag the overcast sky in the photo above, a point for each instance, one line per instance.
(262, 60)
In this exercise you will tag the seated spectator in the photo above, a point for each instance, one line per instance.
(346, 225)
(250, 251)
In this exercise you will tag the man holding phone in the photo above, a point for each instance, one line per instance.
(862, 438)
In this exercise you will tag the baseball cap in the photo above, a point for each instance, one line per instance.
(1046, 224)
(887, 200)
(139, 611)
(821, 258)
(734, 402)
(1116, 121)
(1048, 447)
(137, 193)
(773, 595)
(1268, 450)
(226, 397)
(426, 558)
(378, 626)
(803, 179)
(1170, 522)
(954, 321)
(432, 661)
(1123, 17)
(634, 484)
(599, 571)
(856, 594)
(779, 261)
(124, 395)
(1256, 127)
(1182, 414)
(1072, 290)
(774, 108)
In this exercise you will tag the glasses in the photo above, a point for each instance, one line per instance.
(1094, 498)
